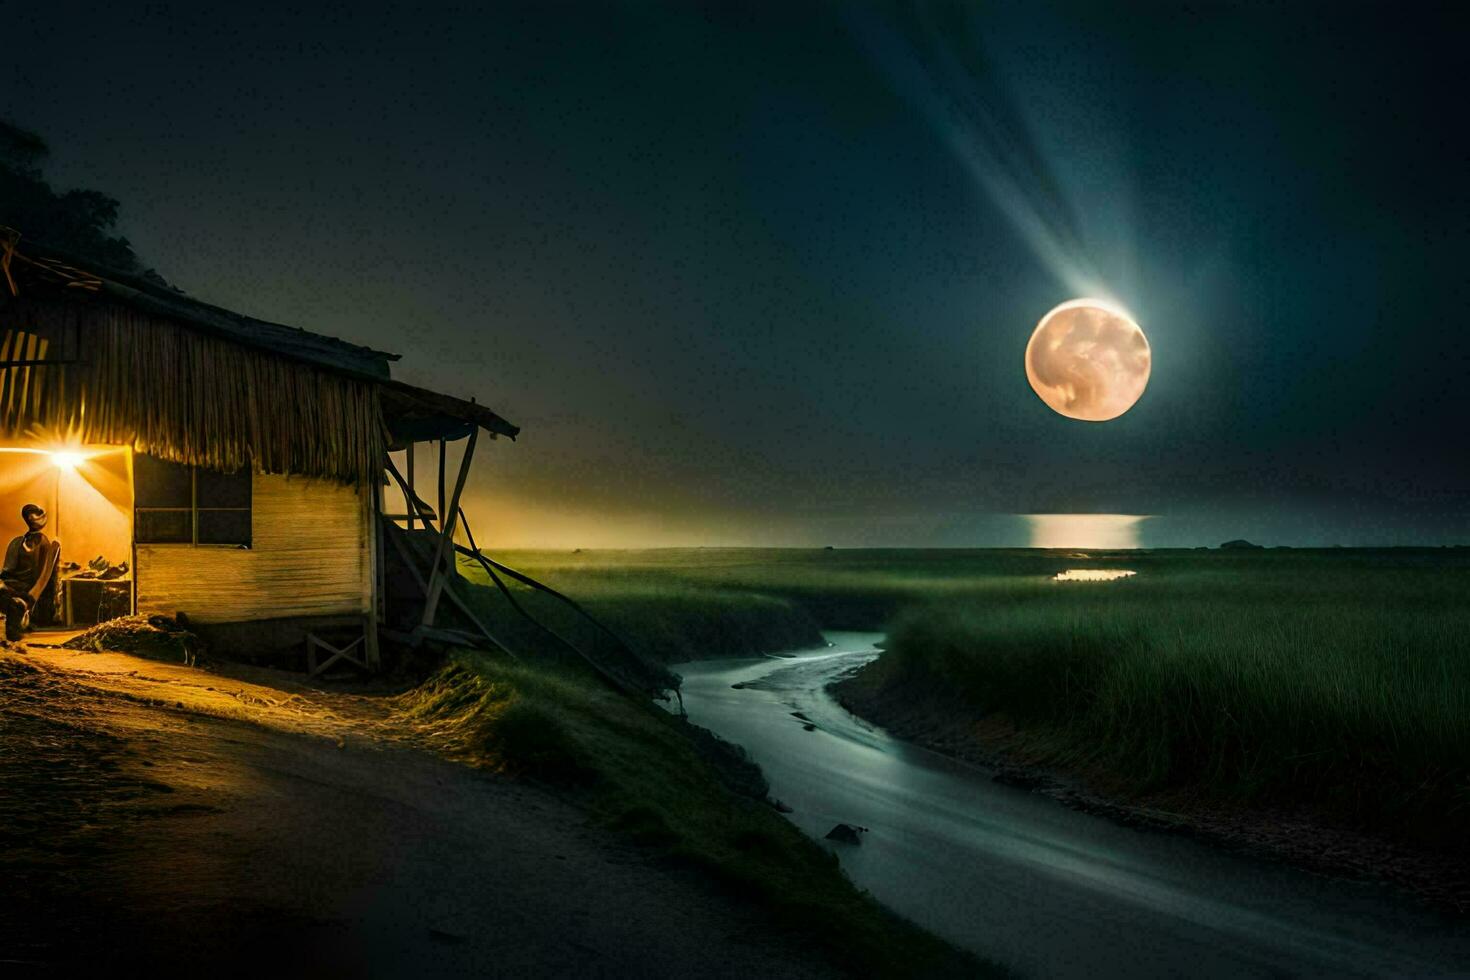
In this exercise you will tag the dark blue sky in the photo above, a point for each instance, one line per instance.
(767, 275)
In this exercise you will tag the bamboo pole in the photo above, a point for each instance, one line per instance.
(446, 533)
(418, 578)
(615, 682)
(374, 506)
(442, 462)
(410, 498)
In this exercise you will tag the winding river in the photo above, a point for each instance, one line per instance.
(1023, 880)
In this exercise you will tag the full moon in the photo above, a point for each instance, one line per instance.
(1088, 360)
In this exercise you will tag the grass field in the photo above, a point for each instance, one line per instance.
(830, 589)
(1341, 677)
(1321, 680)
(664, 610)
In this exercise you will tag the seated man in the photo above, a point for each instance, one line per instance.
(30, 561)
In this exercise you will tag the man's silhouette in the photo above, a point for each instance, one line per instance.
(29, 562)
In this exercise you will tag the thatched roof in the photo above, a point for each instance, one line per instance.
(293, 342)
(151, 297)
(194, 383)
(415, 414)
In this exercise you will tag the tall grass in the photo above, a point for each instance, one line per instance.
(1337, 677)
(868, 588)
(666, 619)
(847, 589)
(1348, 688)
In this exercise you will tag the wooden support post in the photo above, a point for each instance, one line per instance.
(410, 499)
(374, 506)
(444, 550)
(374, 654)
(442, 463)
(392, 534)
(419, 506)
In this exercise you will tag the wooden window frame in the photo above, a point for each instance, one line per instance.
(193, 511)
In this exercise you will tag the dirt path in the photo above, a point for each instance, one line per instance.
(246, 825)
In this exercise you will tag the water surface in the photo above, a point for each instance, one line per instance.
(1092, 575)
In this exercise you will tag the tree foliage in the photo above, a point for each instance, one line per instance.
(80, 221)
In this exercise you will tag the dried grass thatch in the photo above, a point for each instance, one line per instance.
(154, 637)
(183, 395)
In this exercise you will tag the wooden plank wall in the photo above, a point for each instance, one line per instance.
(309, 557)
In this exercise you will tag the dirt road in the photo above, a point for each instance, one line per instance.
(165, 817)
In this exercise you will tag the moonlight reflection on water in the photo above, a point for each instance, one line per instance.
(1092, 575)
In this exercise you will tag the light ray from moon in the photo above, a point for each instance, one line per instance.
(1088, 360)
(935, 59)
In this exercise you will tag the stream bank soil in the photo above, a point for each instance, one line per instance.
(240, 823)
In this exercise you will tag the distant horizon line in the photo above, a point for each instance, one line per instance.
(900, 547)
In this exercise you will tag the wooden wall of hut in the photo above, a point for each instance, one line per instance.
(311, 555)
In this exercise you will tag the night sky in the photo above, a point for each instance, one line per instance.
(766, 275)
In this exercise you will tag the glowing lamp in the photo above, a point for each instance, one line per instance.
(66, 460)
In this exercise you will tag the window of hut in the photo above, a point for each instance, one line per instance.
(179, 504)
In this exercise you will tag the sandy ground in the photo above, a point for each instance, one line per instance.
(244, 824)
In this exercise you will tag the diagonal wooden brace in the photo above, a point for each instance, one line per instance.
(337, 653)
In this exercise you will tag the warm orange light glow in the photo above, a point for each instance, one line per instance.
(65, 455)
(85, 488)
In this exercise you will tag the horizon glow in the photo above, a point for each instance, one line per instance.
(1107, 532)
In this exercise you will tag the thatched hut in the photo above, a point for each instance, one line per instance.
(219, 466)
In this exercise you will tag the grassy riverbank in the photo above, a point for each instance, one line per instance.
(857, 589)
(1337, 677)
(1337, 681)
(665, 616)
(674, 791)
